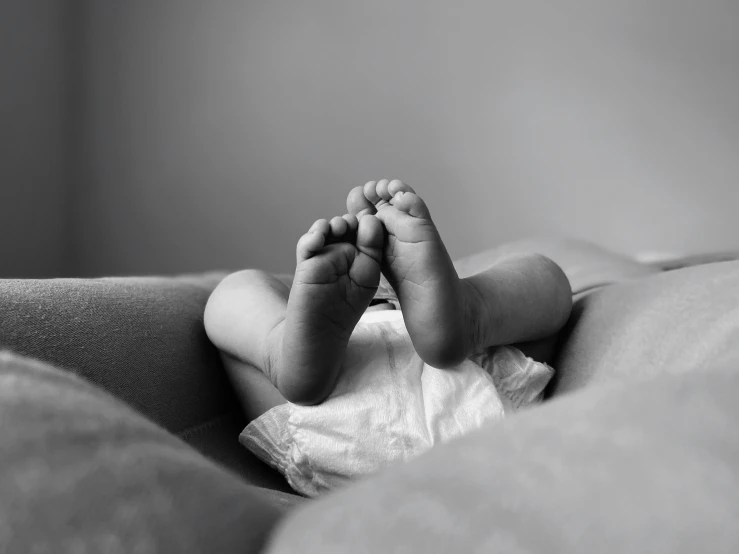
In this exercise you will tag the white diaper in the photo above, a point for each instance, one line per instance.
(387, 406)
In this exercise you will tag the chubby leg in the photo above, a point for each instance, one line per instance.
(239, 317)
(586, 265)
(517, 299)
(241, 314)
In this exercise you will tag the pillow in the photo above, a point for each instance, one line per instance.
(638, 467)
(676, 322)
(80, 472)
(141, 339)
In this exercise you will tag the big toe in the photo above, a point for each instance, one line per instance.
(370, 237)
(357, 203)
(411, 203)
(396, 185)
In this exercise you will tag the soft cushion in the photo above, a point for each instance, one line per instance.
(675, 322)
(81, 472)
(643, 467)
(141, 339)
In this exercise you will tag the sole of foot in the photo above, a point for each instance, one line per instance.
(417, 265)
(336, 276)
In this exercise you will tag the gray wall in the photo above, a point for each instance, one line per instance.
(211, 134)
(33, 147)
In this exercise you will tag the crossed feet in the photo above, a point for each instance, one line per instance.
(388, 230)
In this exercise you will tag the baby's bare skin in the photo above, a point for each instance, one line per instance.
(336, 277)
(415, 262)
(297, 337)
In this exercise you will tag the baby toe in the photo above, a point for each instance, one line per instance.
(396, 185)
(320, 226)
(338, 227)
(412, 204)
(382, 191)
(309, 244)
(370, 237)
(358, 204)
(351, 222)
(370, 192)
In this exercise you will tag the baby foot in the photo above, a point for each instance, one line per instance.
(337, 274)
(417, 265)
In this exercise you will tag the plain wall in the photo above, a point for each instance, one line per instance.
(215, 132)
(34, 237)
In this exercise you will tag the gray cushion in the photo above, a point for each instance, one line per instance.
(675, 322)
(141, 339)
(643, 467)
(79, 471)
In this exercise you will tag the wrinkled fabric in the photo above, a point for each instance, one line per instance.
(676, 322)
(142, 340)
(649, 466)
(389, 406)
(82, 472)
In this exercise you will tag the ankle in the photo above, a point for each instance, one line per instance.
(476, 319)
(456, 338)
(272, 352)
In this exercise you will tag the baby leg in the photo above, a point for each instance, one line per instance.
(586, 265)
(240, 315)
(518, 299)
